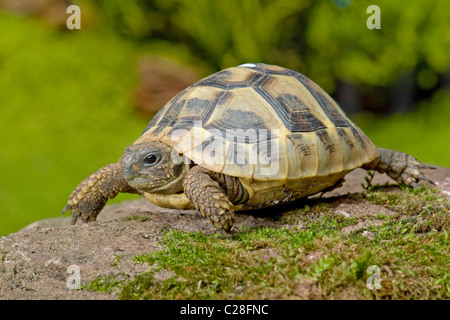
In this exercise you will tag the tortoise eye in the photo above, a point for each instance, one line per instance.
(151, 159)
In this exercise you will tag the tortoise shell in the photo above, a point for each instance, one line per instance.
(252, 108)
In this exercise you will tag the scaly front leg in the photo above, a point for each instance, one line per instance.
(91, 195)
(213, 194)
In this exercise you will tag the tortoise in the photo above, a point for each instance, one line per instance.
(246, 137)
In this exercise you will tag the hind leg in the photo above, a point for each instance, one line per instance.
(400, 166)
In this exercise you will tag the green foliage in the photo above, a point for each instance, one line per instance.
(328, 40)
(340, 45)
(66, 112)
(423, 133)
(222, 33)
(368, 179)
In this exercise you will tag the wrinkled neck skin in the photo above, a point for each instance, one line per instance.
(154, 167)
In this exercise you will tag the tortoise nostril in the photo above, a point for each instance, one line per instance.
(129, 167)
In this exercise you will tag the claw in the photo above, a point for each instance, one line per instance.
(74, 219)
(425, 166)
(66, 208)
(422, 177)
(413, 185)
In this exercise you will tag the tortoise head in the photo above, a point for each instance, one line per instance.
(152, 167)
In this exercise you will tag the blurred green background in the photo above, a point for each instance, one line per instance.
(72, 100)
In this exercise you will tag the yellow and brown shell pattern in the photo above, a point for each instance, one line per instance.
(262, 106)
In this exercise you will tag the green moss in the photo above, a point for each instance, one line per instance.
(106, 284)
(425, 210)
(206, 267)
(313, 209)
(136, 288)
(411, 248)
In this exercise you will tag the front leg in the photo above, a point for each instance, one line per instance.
(91, 195)
(213, 194)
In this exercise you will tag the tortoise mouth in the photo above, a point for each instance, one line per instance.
(138, 181)
(141, 183)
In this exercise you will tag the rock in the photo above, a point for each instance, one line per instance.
(41, 261)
